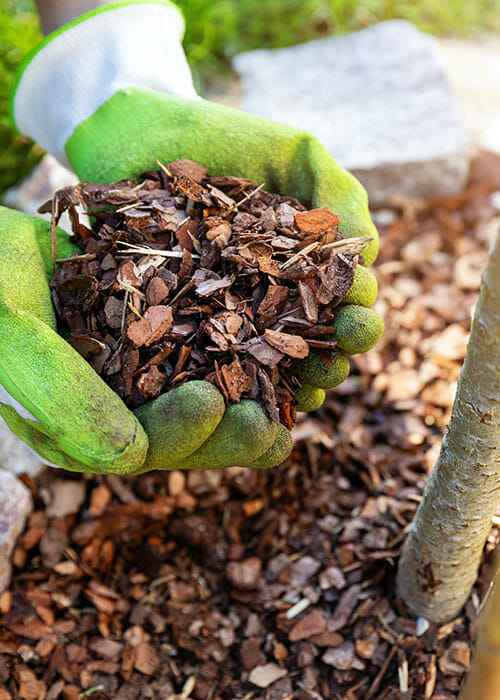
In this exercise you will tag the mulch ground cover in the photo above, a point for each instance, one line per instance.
(268, 585)
(184, 276)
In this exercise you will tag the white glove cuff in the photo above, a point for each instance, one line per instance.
(82, 66)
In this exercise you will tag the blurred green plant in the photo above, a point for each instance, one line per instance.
(217, 29)
(19, 31)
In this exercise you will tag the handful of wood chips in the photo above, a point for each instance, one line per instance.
(182, 276)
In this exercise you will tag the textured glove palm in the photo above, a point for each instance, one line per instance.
(189, 427)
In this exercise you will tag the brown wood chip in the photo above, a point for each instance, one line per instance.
(316, 221)
(292, 345)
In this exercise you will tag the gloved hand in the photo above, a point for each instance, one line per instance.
(109, 95)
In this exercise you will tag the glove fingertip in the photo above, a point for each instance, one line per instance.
(324, 371)
(364, 289)
(243, 435)
(357, 328)
(309, 397)
(179, 422)
(277, 453)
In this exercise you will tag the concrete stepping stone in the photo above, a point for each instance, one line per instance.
(15, 506)
(378, 99)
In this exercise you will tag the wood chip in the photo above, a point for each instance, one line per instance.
(264, 676)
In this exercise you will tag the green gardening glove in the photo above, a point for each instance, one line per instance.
(116, 94)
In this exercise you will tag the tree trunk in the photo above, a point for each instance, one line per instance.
(441, 555)
(483, 679)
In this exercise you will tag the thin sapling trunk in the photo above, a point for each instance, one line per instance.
(442, 553)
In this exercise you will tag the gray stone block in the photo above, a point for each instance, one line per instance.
(15, 506)
(39, 186)
(378, 99)
(16, 456)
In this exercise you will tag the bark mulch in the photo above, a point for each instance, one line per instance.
(270, 584)
(185, 276)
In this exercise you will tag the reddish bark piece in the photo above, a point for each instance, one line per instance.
(186, 234)
(29, 687)
(108, 262)
(303, 570)
(244, 574)
(313, 623)
(344, 608)
(146, 659)
(156, 322)
(332, 578)
(271, 267)
(288, 413)
(129, 274)
(322, 344)
(184, 355)
(157, 291)
(316, 221)
(221, 199)
(327, 639)
(342, 657)
(264, 676)
(186, 266)
(366, 647)
(113, 310)
(151, 383)
(78, 292)
(286, 215)
(345, 269)
(192, 189)
(233, 323)
(33, 629)
(236, 380)
(207, 282)
(461, 653)
(189, 168)
(108, 648)
(283, 243)
(263, 352)
(219, 235)
(268, 395)
(251, 655)
(66, 498)
(456, 659)
(309, 301)
(139, 332)
(87, 346)
(274, 300)
(292, 345)
(130, 363)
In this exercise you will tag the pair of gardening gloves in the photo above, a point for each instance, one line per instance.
(108, 95)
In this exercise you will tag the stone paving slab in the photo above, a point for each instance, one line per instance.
(16, 456)
(379, 100)
(473, 69)
(15, 506)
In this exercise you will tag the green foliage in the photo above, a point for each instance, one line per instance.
(442, 17)
(19, 31)
(217, 29)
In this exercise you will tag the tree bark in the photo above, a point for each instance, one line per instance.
(483, 679)
(442, 552)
